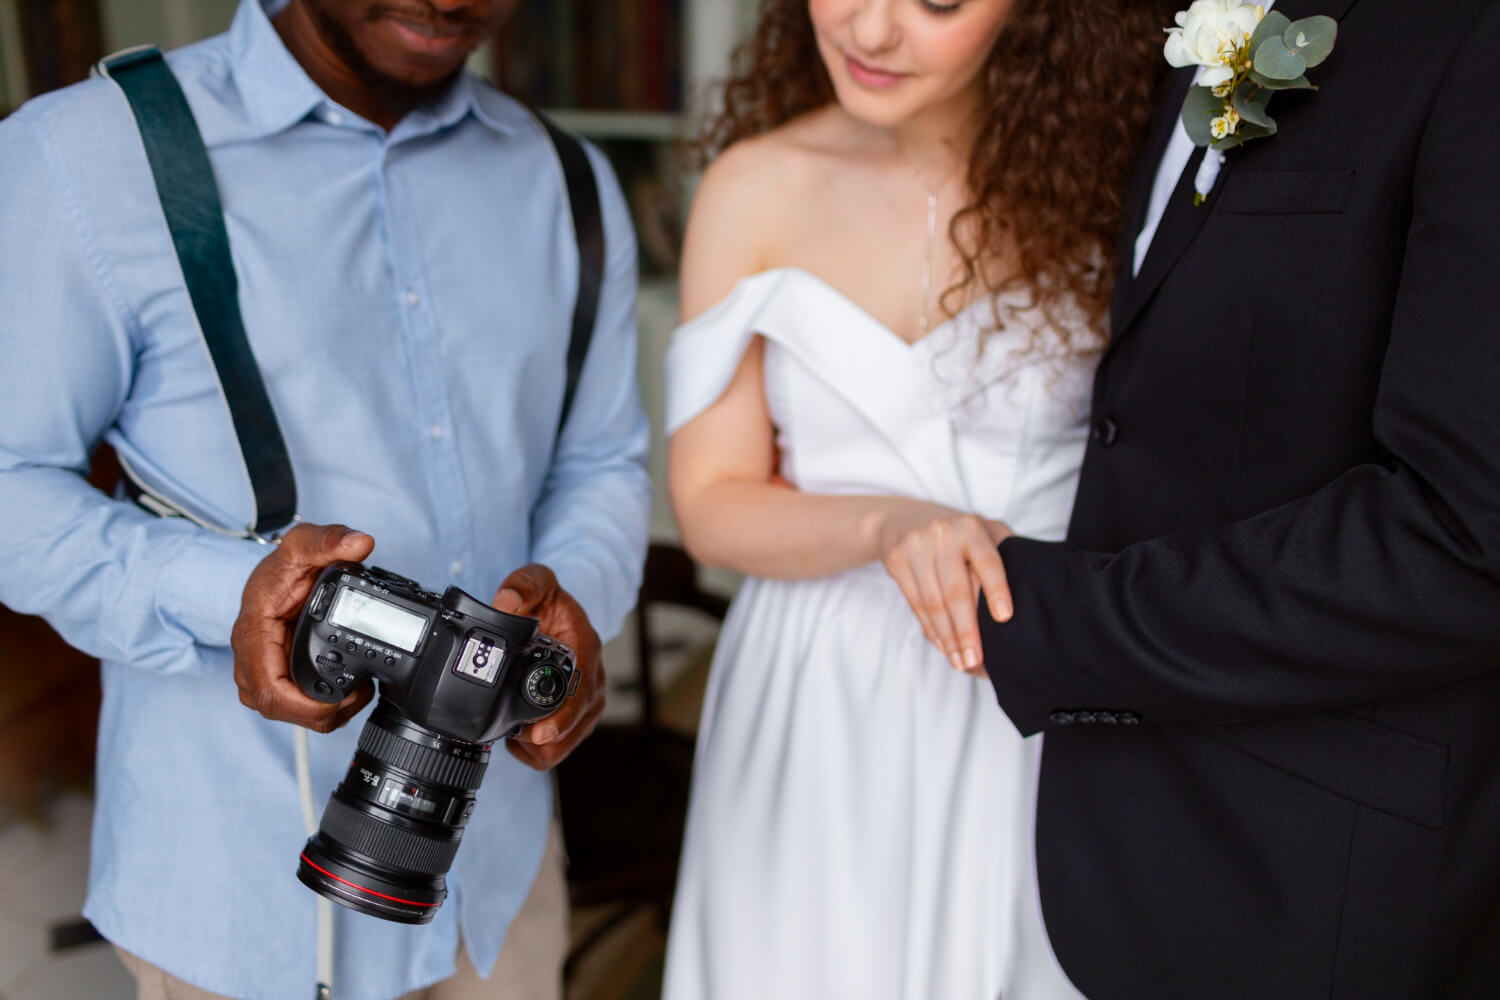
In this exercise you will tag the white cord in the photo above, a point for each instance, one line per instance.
(325, 907)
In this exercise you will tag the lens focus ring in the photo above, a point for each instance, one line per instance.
(422, 762)
(387, 844)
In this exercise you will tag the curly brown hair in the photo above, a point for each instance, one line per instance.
(1067, 94)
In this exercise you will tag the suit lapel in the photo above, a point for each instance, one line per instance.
(1182, 219)
(1170, 94)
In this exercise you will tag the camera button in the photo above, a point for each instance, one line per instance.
(369, 654)
(322, 688)
(349, 647)
(333, 637)
(390, 661)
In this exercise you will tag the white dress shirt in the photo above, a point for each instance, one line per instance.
(1173, 162)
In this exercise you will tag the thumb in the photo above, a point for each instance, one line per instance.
(525, 590)
(509, 601)
(317, 545)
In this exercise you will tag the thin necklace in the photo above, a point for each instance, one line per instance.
(932, 201)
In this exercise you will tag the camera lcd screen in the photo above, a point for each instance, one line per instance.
(377, 619)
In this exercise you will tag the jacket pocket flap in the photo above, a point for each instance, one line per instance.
(1287, 192)
(1353, 758)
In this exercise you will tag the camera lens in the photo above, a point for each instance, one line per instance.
(392, 827)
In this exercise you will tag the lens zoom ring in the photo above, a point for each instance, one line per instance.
(389, 845)
(423, 762)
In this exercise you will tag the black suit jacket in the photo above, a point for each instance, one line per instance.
(1267, 660)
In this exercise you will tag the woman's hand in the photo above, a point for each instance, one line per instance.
(942, 558)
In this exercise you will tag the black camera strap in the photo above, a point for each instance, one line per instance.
(588, 230)
(194, 214)
(190, 201)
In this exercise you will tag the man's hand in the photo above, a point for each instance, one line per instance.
(262, 636)
(533, 590)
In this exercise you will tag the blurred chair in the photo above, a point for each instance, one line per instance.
(623, 792)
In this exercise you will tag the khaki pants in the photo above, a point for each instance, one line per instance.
(529, 966)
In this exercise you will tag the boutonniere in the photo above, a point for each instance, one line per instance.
(1247, 56)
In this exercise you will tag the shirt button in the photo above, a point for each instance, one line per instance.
(333, 118)
(1105, 431)
(412, 298)
(457, 567)
(435, 432)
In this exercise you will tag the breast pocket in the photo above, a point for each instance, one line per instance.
(1287, 192)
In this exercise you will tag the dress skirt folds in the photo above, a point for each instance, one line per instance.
(862, 814)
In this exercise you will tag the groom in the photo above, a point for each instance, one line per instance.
(1267, 660)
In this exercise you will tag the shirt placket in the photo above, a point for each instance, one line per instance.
(411, 291)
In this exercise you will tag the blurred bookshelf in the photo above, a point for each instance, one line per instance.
(633, 76)
(12, 59)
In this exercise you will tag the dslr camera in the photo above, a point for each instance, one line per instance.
(454, 676)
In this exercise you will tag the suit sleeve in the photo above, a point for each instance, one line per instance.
(1384, 582)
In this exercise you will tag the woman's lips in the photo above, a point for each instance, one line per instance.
(871, 77)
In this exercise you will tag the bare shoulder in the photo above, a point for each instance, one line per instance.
(750, 199)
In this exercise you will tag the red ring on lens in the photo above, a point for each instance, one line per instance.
(394, 899)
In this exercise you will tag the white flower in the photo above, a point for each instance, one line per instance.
(1212, 34)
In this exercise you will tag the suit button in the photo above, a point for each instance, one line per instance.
(1129, 719)
(1105, 431)
(1108, 718)
(1084, 717)
(1062, 718)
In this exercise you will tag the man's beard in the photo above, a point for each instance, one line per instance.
(396, 94)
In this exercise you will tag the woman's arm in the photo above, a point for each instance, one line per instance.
(732, 508)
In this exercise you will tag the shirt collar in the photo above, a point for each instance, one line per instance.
(278, 93)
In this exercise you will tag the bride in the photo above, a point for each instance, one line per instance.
(894, 282)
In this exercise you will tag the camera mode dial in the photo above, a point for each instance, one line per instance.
(545, 685)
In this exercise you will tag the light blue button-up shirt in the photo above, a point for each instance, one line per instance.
(408, 298)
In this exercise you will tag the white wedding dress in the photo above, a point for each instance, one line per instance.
(862, 814)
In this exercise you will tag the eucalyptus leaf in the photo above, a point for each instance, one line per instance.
(1250, 101)
(1273, 59)
(1266, 83)
(1198, 113)
(1312, 38)
(1273, 25)
(1248, 131)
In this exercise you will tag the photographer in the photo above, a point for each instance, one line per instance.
(407, 271)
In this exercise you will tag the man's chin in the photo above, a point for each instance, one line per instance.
(404, 94)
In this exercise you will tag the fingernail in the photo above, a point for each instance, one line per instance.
(352, 534)
(956, 660)
(971, 657)
(544, 734)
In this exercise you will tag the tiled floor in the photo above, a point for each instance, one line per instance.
(44, 871)
(43, 874)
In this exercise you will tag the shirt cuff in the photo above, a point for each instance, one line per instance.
(200, 586)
